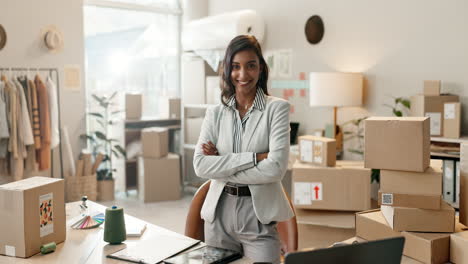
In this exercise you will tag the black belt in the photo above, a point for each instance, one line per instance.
(237, 190)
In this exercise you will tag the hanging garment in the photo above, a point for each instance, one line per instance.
(30, 162)
(43, 154)
(10, 94)
(4, 129)
(21, 125)
(35, 115)
(17, 161)
(53, 111)
(26, 133)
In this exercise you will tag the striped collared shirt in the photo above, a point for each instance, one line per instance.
(239, 124)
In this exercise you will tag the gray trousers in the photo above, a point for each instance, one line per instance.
(236, 227)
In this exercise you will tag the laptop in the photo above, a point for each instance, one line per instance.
(385, 251)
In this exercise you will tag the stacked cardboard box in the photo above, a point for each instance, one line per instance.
(410, 189)
(326, 199)
(443, 109)
(320, 151)
(158, 170)
(133, 106)
(33, 214)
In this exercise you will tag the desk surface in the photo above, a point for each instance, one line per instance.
(88, 246)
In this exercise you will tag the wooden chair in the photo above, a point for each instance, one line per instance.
(194, 225)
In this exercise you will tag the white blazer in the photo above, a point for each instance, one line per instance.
(265, 131)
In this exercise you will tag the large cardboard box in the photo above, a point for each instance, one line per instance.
(33, 214)
(452, 120)
(320, 151)
(133, 106)
(397, 143)
(174, 108)
(159, 179)
(420, 220)
(431, 88)
(428, 182)
(342, 188)
(431, 248)
(433, 107)
(155, 142)
(459, 247)
(318, 229)
(410, 200)
(464, 183)
(192, 129)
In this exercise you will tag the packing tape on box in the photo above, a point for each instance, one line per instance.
(48, 248)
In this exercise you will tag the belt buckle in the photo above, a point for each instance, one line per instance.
(236, 188)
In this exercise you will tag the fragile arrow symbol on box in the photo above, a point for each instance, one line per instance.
(316, 188)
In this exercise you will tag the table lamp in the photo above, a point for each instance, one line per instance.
(336, 89)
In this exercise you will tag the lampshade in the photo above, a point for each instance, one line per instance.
(335, 89)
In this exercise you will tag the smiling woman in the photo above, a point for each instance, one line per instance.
(244, 149)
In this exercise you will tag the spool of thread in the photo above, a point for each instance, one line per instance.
(114, 225)
(48, 248)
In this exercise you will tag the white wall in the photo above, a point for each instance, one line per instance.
(23, 21)
(396, 44)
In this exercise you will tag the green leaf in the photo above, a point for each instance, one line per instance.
(101, 123)
(100, 100)
(116, 153)
(397, 100)
(356, 151)
(406, 103)
(397, 113)
(96, 115)
(117, 112)
(112, 96)
(100, 135)
(121, 150)
(348, 132)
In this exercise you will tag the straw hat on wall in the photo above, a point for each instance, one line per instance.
(53, 39)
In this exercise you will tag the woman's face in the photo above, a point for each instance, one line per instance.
(245, 71)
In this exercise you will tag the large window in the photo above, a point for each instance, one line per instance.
(133, 51)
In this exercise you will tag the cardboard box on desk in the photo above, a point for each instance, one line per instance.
(155, 142)
(420, 220)
(452, 119)
(133, 106)
(458, 247)
(431, 248)
(343, 188)
(431, 88)
(397, 143)
(159, 179)
(412, 189)
(433, 107)
(318, 229)
(33, 214)
(320, 151)
(192, 129)
(410, 200)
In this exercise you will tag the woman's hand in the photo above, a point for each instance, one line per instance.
(209, 149)
(262, 156)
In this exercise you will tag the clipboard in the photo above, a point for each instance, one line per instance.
(155, 250)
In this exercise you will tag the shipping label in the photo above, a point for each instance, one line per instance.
(46, 214)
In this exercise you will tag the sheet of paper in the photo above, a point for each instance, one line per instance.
(302, 193)
(306, 150)
(318, 151)
(46, 214)
(72, 81)
(436, 123)
(449, 111)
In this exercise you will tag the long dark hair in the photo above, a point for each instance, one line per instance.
(241, 43)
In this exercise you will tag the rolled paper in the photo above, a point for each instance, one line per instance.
(48, 248)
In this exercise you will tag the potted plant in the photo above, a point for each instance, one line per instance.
(103, 145)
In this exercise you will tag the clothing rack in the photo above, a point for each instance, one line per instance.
(52, 72)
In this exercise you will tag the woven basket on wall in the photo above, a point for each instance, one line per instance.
(77, 186)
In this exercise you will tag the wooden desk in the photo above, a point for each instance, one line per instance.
(88, 246)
